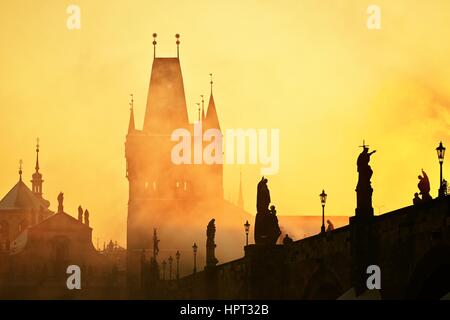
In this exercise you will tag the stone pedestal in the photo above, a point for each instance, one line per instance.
(363, 249)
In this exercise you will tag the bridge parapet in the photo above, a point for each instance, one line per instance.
(410, 245)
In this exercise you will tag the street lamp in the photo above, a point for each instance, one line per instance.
(247, 229)
(441, 153)
(170, 267)
(177, 255)
(194, 247)
(323, 200)
(164, 263)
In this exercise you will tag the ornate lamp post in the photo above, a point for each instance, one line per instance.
(177, 256)
(441, 153)
(164, 263)
(194, 247)
(323, 200)
(247, 229)
(170, 267)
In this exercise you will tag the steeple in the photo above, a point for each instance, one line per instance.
(131, 126)
(36, 181)
(240, 202)
(211, 119)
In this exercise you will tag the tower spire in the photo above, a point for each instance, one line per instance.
(177, 36)
(240, 201)
(154, 45)
(36, 178)
(131, 125)
(211, 119)
(37, 155)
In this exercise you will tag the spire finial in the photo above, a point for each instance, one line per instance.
(20, 169)
(131, 102)
(198, 105)
(211, 81)
(154, 45)
(37, 155)
(177, 36)
(131, 125)
(203, 105)
(364, 145)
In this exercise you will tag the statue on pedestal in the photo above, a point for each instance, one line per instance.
(211, 260)
(424, 187)
(267, 229)
(60, 202)
(364, 189)
(80, 214)
(155, 244)
(86, 217)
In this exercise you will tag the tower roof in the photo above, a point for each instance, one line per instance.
(211, 120)
(21, 197)
(166, 101)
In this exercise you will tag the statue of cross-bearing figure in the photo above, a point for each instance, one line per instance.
(364, 189)
(364, 169)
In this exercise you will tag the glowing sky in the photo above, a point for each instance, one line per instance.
(310, 68)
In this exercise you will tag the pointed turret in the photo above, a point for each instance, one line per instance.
(211, 119)
(240, 202)
(36, 181)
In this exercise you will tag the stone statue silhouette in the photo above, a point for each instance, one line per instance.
(267, 229)
(364, 169)
(86, 217)
(274, 228)
(60, 202)
(262, 196)
(424, 186)
(210, 245)
(364, 189)
(155, 244)
(80, 214)
(416, 199)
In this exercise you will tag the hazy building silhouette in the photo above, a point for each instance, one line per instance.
(37, 245)
(22, 207)
(162, 194)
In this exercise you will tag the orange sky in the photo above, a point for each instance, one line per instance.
(310, 68)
